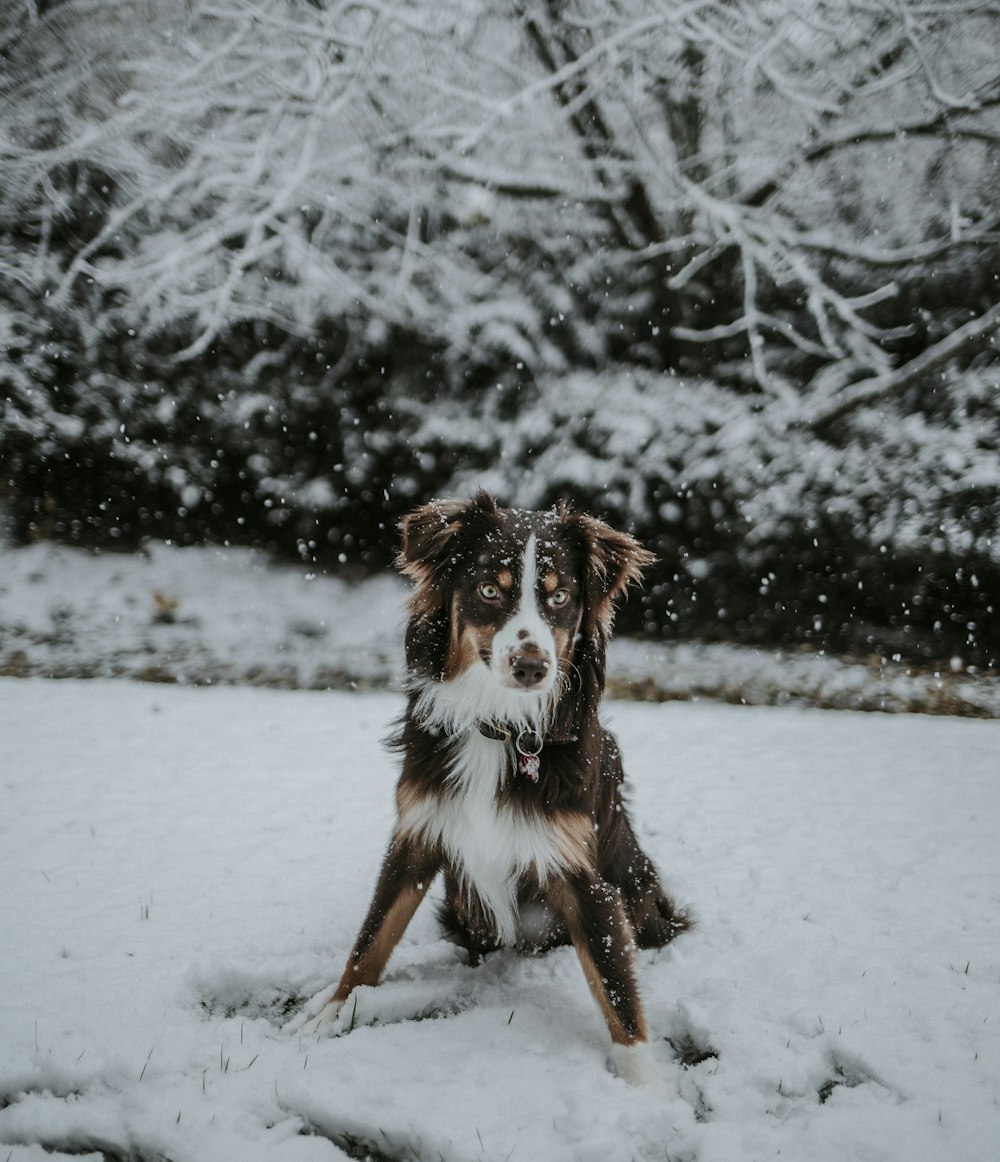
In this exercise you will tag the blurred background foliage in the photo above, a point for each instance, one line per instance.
(726, 273)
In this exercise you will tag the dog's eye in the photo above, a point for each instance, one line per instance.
(489, 591)
(560, 597)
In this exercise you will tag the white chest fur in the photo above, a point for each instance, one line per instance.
(490, 846)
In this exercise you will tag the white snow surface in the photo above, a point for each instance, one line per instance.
(178, 863)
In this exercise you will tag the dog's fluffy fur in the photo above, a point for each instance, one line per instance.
(510, 616)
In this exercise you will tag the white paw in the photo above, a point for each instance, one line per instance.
(326, 1016)
(636, 1065)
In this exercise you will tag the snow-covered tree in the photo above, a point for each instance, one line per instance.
(758, 181)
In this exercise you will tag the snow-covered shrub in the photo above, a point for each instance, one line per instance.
(884, 535)
(253, 445)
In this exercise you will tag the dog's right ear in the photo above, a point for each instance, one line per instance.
(428, 550)
(426, 533)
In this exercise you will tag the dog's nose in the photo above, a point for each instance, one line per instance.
(529, 668)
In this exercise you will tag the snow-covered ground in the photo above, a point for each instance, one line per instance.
(183, 868)
(198, 616)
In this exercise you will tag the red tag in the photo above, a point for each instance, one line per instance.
(528, 764)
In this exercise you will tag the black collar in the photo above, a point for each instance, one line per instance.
(526, 741)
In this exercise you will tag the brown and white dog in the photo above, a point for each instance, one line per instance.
(510, 785)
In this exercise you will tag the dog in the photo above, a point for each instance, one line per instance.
(510, 786)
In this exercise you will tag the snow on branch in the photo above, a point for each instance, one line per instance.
(673, 174)
(884, 387)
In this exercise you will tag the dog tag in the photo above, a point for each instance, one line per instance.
(528, 765)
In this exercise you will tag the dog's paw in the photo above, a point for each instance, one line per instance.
(326, 1016)
(636, 1065)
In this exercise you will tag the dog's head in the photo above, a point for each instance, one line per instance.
(516, 602)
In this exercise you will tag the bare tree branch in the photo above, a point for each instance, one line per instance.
(940, 125)
(883, 387)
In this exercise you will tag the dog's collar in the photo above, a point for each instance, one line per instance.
(526, 741)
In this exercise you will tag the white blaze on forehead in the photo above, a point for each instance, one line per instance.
(527, 618)
(526, 629)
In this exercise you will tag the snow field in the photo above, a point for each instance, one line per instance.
(210, 616)
(185, 869)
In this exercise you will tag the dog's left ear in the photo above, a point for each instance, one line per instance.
(611, 562)
(614, 562)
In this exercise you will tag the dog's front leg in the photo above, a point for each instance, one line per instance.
(595, 918)
(407, 872)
